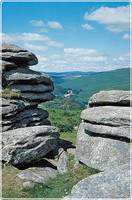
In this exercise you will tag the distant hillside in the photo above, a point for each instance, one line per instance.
(72, 73)
(59, 77)
(85, 84)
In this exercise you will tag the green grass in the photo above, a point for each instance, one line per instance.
(62, 184)
(8, 93)
(69, 136)
(56, 188)
(64, 118)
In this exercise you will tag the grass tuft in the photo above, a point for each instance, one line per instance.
(8, 93)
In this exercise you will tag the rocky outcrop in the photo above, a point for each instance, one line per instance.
(29, 140)
(109, 120)
(19, 114)
(103, 138)
(103, 143)
(18, 56)
(24, 146)
(33, 88)
(101, 151)
(112, 97)
(113, 183)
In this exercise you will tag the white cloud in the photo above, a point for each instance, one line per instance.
(53, 43)
(126, 36)
(54, 25)
(37, 23)
(73, 59)
(6, 38)
(35, 47)
(80, 59)
(24, 37)
(42, 59)
(116, 19)
(31, 37)
(44, 26)
(85, 54)
(87, 27)
(31, 41)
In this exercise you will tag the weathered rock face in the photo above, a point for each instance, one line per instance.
(113, 183)
(101, 151)
(112, 97)
(103, 143)
(33, 88)
(27, 145)
(37, 174)
(28, 137)
(32, 85)
(8, 65)
(103, 138)
(109, 120)
(14, 54)
(27, 76)
(62, 165)
(17, 114)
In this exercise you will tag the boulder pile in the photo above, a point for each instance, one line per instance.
(31, 88)
(24, 146)
(29, 141)
(103, 143)
(103, 138)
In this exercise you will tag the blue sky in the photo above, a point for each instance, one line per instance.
(70, 36)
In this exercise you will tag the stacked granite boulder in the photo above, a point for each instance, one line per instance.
(103, 138)
(103, 143)
(29, 142)
(32, 88)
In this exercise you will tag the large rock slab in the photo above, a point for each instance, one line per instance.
(8, 66)
(32, 86)
(11, 107)
(107, 115)
(38, 97)
(27, 76)
(35, 112)
(118, 132)
(17, 55)
(99, 151)
(112, 97)
(108, 120)
(6, 47)
(26, 145)
(37, 174)
(113, 183)
(18, 114)
(25, 118)
(39, 88)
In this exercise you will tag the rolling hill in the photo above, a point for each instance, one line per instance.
(85, 84)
